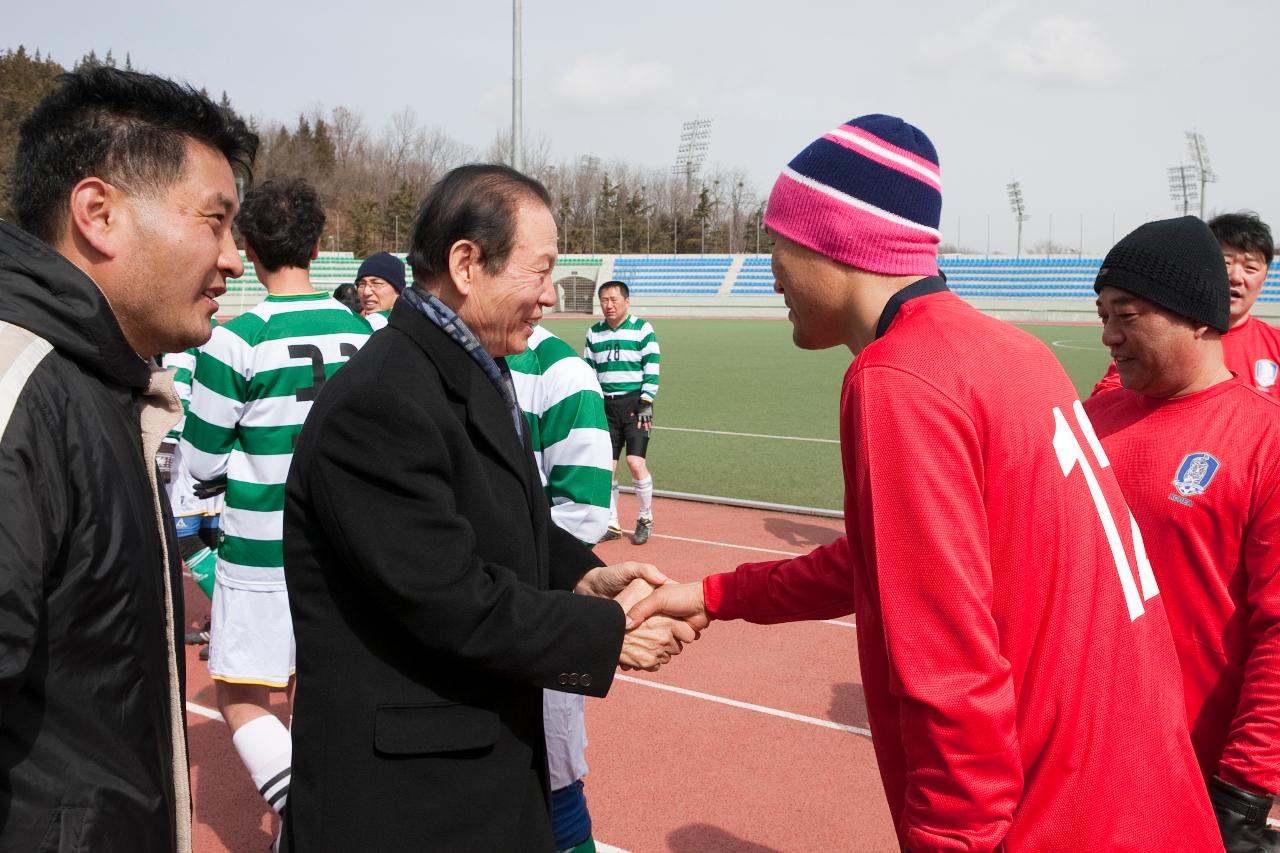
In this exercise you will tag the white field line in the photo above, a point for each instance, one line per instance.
(1074, 343)
(193, 708)
(751, 435)
(747, 706)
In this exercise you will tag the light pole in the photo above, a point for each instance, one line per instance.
(1183, 189)
(1019, 210)
(517, 85)
(1200, 160)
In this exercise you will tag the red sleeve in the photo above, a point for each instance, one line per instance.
(1251, 758)
(818, 585)
(1109, 381)
(920, 473)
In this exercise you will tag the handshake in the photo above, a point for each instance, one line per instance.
(662, 616)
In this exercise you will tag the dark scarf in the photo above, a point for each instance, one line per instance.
(451, 324)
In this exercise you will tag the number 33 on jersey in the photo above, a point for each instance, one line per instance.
(1072, 456)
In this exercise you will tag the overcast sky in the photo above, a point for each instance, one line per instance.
(1085, 103)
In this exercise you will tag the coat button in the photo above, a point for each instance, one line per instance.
(573, 678)
(564, 678)
(585, 681)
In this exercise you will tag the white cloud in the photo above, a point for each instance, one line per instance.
(1063, 50)
(1055, 51)
(612, 79)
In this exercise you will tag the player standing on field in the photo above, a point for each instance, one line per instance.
(1194, 451)
(624, 351)
(1020, 681)
(254, 384)
(1250, 347)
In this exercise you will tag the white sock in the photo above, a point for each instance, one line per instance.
(267, 752)
(613, 506)
(644, 492)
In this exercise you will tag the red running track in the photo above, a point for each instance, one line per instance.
(789, 767)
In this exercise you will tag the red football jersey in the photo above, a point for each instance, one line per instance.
(1202, 476)
(1020, 679)
(1251, 351)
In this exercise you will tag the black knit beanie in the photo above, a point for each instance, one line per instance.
(1175, 263)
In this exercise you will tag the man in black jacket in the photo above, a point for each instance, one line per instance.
(125, 188)
(432, 597)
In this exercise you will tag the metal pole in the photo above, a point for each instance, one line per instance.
(517, 83)
(675, 226)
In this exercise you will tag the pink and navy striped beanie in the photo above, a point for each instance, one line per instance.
(868, 194)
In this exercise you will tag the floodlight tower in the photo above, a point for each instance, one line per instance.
(695, 138)
(517, 90)
(1019, 210)
(1183, 188)
(1200, 161)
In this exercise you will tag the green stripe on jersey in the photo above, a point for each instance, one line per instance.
(573, 412)
(254, 384)
(580, 484)
(260, 553)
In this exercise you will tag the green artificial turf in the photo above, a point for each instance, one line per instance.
(745, 376)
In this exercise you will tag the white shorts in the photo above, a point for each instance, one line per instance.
(251, 636)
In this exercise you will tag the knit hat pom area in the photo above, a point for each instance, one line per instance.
(1176, 264)
(867, 194)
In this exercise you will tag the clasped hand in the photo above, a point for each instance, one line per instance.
(641, 590)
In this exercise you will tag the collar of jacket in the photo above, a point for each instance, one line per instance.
(486, 410)
(44, 293)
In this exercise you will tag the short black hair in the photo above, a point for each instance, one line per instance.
(1244, 231)
(127, 128)
(477, 203)
(346, 294)
(622, 286)
(281, 220)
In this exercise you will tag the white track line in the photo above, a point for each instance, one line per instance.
(720, 544)
(747, 706)
(203, 711)
(751, 435)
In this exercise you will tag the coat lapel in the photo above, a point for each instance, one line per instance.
(487, 413)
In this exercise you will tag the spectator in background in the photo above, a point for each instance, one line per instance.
(378, 284)
(346, 294)
(624, 351)
(125, 190)
(564, 412)
(1020, 681)
(1250, 347)
(254, 384)
(1194, 452)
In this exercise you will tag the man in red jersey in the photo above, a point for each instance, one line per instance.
(1020, 680)
(1251, 348)
(1193, 450)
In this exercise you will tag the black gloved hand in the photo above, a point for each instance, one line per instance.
(1242, 819)
(210, 489)
(644, 414)
(164, 461)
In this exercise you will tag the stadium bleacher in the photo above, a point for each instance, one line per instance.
(732, 281)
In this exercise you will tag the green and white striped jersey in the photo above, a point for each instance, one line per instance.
(564, 411)
(626, 359)
(254, 384)
(184, 365)
(378, 319)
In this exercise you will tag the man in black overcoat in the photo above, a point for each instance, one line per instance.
(432, 597)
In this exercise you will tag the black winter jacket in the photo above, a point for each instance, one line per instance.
(92, 737)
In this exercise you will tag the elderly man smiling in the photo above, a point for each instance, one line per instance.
(430, 591)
